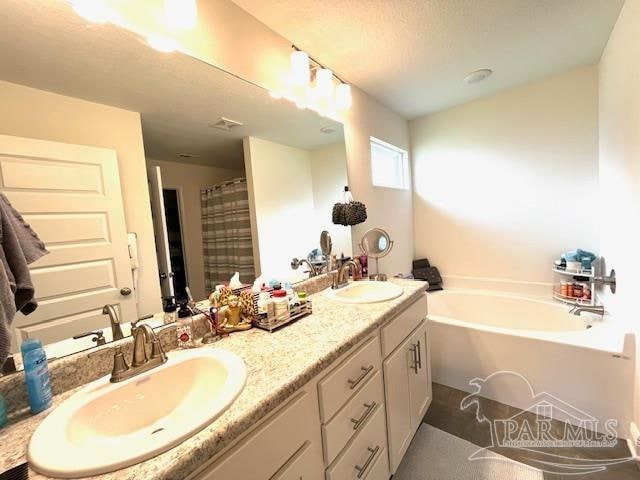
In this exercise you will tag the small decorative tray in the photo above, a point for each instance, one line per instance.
(295, 313)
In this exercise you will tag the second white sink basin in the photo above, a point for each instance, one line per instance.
(105, 426)
(365, 292)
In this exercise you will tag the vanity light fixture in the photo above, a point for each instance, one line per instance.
(300, 68)
(343, 96)
(311, 85)
(182, 14)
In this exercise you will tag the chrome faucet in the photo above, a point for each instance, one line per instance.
(140, 362)
(578, 309)
(116, 329)
(295, 263)
(341, 279)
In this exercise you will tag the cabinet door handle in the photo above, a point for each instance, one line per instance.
(362, 469)
(365, 371)
(359, 421)
(419, 348)
(414, 352)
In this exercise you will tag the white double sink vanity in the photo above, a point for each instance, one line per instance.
(337, 395)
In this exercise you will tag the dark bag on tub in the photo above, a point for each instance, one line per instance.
(422, 270)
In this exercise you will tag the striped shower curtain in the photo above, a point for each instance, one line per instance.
(226, 233)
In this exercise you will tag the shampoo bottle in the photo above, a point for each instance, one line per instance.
(36, 372)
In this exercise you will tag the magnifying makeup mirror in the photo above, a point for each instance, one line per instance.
(377, 244)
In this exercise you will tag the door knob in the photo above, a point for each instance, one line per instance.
(125, 291)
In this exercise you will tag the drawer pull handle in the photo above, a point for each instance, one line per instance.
(365, 371)
(362, 469)
(414, 352)
(359, 421)
(419, 349)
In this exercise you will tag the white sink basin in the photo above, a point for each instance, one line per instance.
(105, 426)
(365, 292)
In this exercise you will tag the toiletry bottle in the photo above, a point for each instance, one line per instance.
(170, 314)
(3, 412)
(36, 372)
(281, 304)
(288, 288)
(263, 302)
(364, 263)
(184, 329)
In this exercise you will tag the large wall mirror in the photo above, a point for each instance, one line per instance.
(146, 172)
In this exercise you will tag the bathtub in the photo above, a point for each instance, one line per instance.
(519, 350)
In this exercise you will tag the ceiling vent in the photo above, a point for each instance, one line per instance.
(225, 124)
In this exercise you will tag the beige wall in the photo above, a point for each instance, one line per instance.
(506, 183)
(189, 179)
(28, 112)
(619, 199)
(329, 176)
(281, 192)
(230, 38)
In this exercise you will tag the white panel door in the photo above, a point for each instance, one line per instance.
(70, 194)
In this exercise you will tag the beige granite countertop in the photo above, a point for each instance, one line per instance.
(278, 364)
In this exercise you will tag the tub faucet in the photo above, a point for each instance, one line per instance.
(578, 309)
(141, 362)
(116, 329)
(341, 279)
(295, 263)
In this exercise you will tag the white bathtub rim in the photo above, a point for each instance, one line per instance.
(606, 335)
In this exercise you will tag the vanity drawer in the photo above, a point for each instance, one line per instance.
(359, 459)
(394, 332)
(302, 466)
(272, 448)
(348, 377)
(379, 469)
(352, 417)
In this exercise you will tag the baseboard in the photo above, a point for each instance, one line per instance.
(634, 440)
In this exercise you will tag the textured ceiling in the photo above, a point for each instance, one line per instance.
(413, 54)
(45, 45)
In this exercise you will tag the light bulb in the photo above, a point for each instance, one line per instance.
(162, 43)
(343, 96)
(324, 83)
(181, 13)
(95, 11)
(299, 68)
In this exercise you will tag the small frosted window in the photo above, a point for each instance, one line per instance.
(389, 165)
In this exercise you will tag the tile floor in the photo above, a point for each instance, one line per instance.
(445, 414)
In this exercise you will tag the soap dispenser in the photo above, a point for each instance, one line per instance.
(184, 328)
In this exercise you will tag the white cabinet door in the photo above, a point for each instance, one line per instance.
(70, 194)
(396, 370)
(419, 377)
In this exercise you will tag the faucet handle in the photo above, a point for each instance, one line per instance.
(119, 363)
(156, 349)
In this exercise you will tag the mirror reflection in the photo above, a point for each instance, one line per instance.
(150, 177)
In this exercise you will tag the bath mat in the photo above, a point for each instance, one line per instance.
(438, 455)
